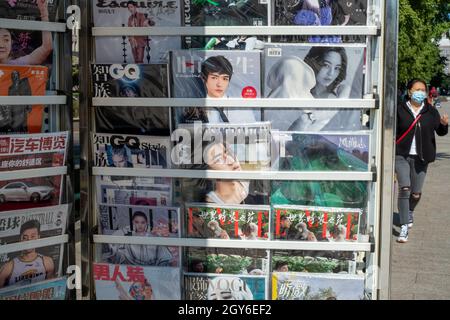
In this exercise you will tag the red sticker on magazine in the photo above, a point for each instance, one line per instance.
(249, 92)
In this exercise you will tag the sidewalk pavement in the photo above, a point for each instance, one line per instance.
(420, 268)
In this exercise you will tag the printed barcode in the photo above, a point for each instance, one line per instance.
(274, 52)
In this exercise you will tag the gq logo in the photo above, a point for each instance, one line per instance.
(130, 71)
(129, 141)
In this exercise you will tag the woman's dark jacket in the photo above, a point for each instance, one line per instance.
(423, 130)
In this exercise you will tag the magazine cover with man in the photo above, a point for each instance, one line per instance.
(317, 286)
(130, 151)
(222, 13)
(22, 81)
(212, 286)
(123, 219)
(226, 260)
(228, 146)
(324, 151)
(24, 267)
(26, 193)
(136, 49)
(140, 191)
(244, 222)
(308, 71)
(304, 223)
(33, 151)
(54, 289)
(124, 282)
(28, 9)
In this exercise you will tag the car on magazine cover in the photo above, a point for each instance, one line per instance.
(25, 191)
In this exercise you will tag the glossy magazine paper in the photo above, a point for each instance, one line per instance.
(26, 9)
(54, 289)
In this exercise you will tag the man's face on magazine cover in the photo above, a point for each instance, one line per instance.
(217, 84)
(132, 9)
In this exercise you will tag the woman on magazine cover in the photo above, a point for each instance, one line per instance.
(38, 56)
(417, 123)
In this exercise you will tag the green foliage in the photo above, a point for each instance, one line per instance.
(421, 25)
(310, 264)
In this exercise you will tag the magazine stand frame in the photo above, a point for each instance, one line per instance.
(378, 101)
(59, 103)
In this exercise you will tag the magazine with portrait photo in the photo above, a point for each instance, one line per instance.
(244, 222)
(136, 49)
(131, 151)
(125, 282)
(198, 286)
(54, 289)
(126, 219)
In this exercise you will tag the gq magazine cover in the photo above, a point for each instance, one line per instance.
(29, 9)
(22, 81)
(314, 71)
(32, 151)
(223, 13)
(135, 49)
(131, 80)
(31, 265)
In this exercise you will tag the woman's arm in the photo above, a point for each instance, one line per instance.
(442, 128)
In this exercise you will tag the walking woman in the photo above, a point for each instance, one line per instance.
(417, 122)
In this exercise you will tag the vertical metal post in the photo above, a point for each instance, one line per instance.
(388, 94)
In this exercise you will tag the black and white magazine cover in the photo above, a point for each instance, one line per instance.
(32, 10)
(216, 74)
(135, 49)
(23, 267)
(151, 220)
(223, 13)
(131, 151)
(314, 71)
(141, 191)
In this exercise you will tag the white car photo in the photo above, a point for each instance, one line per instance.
(25, 191)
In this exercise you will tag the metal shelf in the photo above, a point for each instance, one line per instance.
(19, 246)
(235, 30)
(242, 175)
(32, 173)
(32, 25)
(247, 244)
(32, 100)
(238, 103)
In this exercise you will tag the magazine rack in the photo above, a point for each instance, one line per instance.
(378, 101)
(58, 101)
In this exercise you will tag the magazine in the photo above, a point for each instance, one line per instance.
(130, 80)
(54, 289)
(199, 286)
(30, 266)
(136, 49)
(22, 81)
(324, 151)
(154, 221)
(319, 13)
(222, 13)
(28, 9)
(304, 223)
(26, 193)
(342, 194)
(122, 282)
(226, 260)
(33, 151)
(244, 222)
(130, 151)
(134, 191)
(226, 74)
(226, 146)
(316, 286)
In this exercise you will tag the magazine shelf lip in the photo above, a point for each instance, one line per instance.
(32, 100)
(246, 175)
(32, 25)
(32, 173)
(45, 242)
(235, 30)
(238, 103)
(248, 244)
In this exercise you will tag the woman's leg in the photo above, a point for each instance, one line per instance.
(418, 174)
(403, 170)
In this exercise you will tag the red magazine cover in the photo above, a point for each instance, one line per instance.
(22, 81)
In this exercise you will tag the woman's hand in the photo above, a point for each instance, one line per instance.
(42, 5)
(444, 119)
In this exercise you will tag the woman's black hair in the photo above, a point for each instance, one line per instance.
(411, 83)
(218, 64)
(315, 59)
(139, 214)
